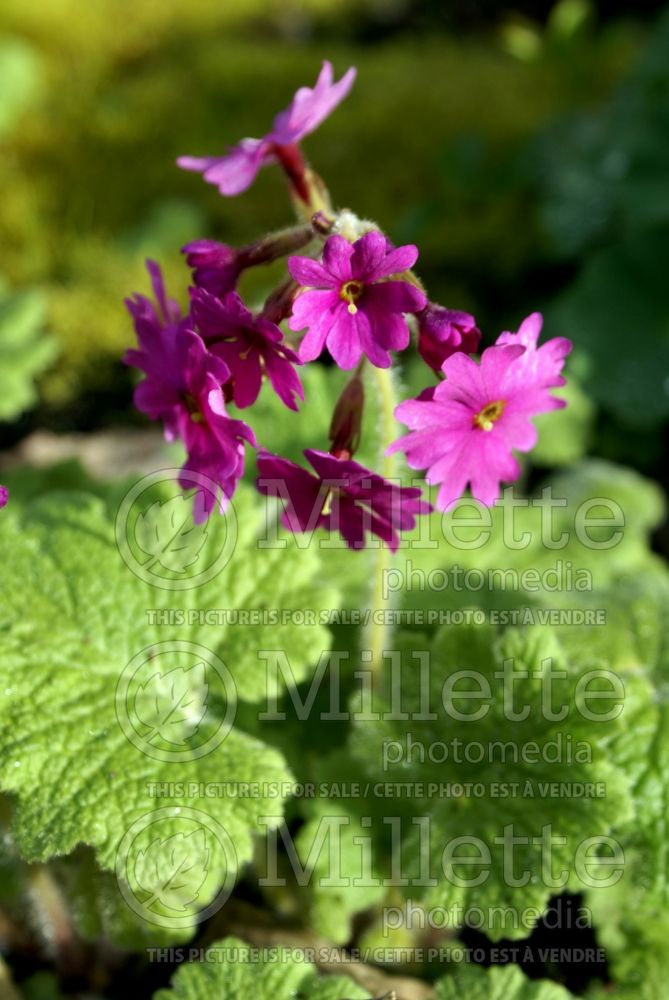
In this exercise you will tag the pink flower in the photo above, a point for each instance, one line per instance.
(183, 389)
(351, 308)
(250, 347)
(236, 171)
(465, 433)
(4, 496)
(343, 496)
(442, 332)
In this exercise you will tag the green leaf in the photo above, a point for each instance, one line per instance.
(541, 550)
(635, 943)
(471, 982)
(27, 482)
(635, 644)
(74, 620)
(25, 350)
(235, 971)
(630, 917)
(331, 907)
(98, 909)
(508, 789)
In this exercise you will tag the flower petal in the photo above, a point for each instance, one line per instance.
(337, 254)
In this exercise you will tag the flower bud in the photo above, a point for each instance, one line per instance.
(279, 303)
(215, 266)
(347, 420)
(442, 332)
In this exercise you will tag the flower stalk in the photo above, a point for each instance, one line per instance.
(378, 631)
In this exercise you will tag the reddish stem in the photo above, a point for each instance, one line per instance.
(291, 159)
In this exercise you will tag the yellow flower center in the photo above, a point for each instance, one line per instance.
(489, 415)
(351, 292)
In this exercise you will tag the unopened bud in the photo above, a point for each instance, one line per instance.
(275, 245)
(346, 421)
(279, 304)
(215, 265)
(442, 332)
(322, 223)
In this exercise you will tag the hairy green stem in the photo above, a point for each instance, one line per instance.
(378, 632)
(52, 918)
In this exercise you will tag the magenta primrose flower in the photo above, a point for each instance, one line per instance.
(182, 388)
(442, 332)
(215, 266)
(236, 170)
(349, 305)
(4, 496)
(343, 496)
(250, 347)
(150, 318)
(466, 432)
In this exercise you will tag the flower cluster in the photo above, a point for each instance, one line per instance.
(350, 294)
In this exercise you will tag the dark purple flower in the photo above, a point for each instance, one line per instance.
(350, 307)
(236, 171)
(215, 266)
(148, 316)
(182, 388)
(250, 347)
(442, 332)
(343, 496)
(4, 496)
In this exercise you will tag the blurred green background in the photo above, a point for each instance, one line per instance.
(523, 146)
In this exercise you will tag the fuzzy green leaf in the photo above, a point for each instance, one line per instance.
(635, 644)
(236, 971)
(508, 789)
(543, 550)
(74, 617)
(471, 982)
